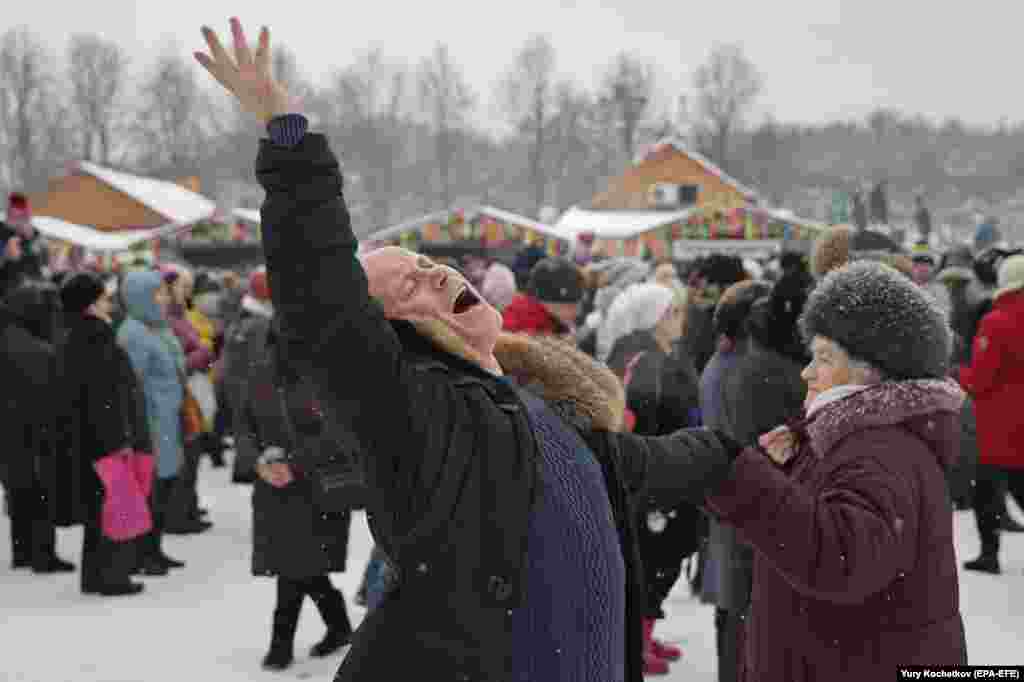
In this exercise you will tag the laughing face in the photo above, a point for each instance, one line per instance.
(412, 287)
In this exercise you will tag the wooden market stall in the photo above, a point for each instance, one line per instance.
(674, 203)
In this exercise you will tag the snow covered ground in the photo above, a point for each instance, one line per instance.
(211, 620)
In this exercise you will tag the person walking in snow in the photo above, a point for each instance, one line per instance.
(504, 511)
(847, 509)
(995, 379)
(293, 538)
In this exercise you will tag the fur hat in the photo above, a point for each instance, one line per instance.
(881, 317)
(80, 291)
(1011, 275)
(843, 244)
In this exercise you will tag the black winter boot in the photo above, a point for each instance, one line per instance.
(286, 620)
(331, 604)
(986, 563)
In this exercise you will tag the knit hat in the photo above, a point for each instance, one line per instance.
(1011, 275)
(80, 291)
(556, 280)
(258, 300)
(499, 285)
(842, 244)
(881, 317)
(18, 207)
(638, 308)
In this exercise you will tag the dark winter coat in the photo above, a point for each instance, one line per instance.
(448, 509)
(247, 377)
(102, 409)
(292, 535)
(995, 379)
(855, 569)
(28, 267)
(27, 372)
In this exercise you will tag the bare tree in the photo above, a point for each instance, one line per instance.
(526, 94)
(172, 117)
(447, 100)
(726, 88)
(628, 87)
(369, 108)
(96, 72)
(31, 130)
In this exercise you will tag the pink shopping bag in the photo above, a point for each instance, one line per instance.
(125, 514)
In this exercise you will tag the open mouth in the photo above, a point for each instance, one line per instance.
(466, 300)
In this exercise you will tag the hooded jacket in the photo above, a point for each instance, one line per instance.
(855, 570)
(159, 363)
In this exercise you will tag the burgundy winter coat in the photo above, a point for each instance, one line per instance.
(855, 571)
(995, 379)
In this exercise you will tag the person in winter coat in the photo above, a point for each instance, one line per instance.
(243, 368)
(28, 466)
(612, 277)
(551, 300)
(293, 538)
(159, 362)
(503, 519)
(995, 379)
(184, 516)
(646, 323)
(104, 416)
(22, 252)
(847, 509)
(726, 561)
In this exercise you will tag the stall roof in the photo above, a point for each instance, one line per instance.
(98, 240)
(174, 202)
(247, 214)
(615, 224)
(496, 213)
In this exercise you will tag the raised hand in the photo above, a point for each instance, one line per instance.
(248, 76)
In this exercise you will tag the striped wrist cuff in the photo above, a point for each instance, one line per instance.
(287, 130)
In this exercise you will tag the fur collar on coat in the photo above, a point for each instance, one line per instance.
(885, 404)
(581, 390)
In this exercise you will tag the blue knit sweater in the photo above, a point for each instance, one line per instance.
(571, 627)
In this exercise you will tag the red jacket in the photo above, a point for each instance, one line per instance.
(995, 379)
(528, 315)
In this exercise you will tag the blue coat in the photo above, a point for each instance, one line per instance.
(154, 361)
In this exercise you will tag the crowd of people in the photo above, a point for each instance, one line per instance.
(544, 448)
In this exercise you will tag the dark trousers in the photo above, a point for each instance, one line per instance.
(729, 644)
(33, 535)
(183, 508)
(662, 552)
(151, 546)
(990, 491)
(291, 592)
(105, 563)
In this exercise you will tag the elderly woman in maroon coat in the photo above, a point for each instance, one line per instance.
(847, 509)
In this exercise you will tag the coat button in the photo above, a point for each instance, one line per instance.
(499, 588)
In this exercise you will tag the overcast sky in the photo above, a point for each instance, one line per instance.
(820, 59)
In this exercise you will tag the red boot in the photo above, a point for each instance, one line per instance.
(664, 651)
(653, 664)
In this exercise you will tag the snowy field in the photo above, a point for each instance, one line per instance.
(211, 620)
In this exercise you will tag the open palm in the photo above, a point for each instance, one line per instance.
(248, 76)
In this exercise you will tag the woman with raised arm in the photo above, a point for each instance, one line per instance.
(503, 507)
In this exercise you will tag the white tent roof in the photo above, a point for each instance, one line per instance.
(174, 202)
(97, 240)
(247, 214)
(615, 224)
(496, 213)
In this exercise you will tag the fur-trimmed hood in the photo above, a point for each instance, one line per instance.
(923, 406)
(582, 391)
